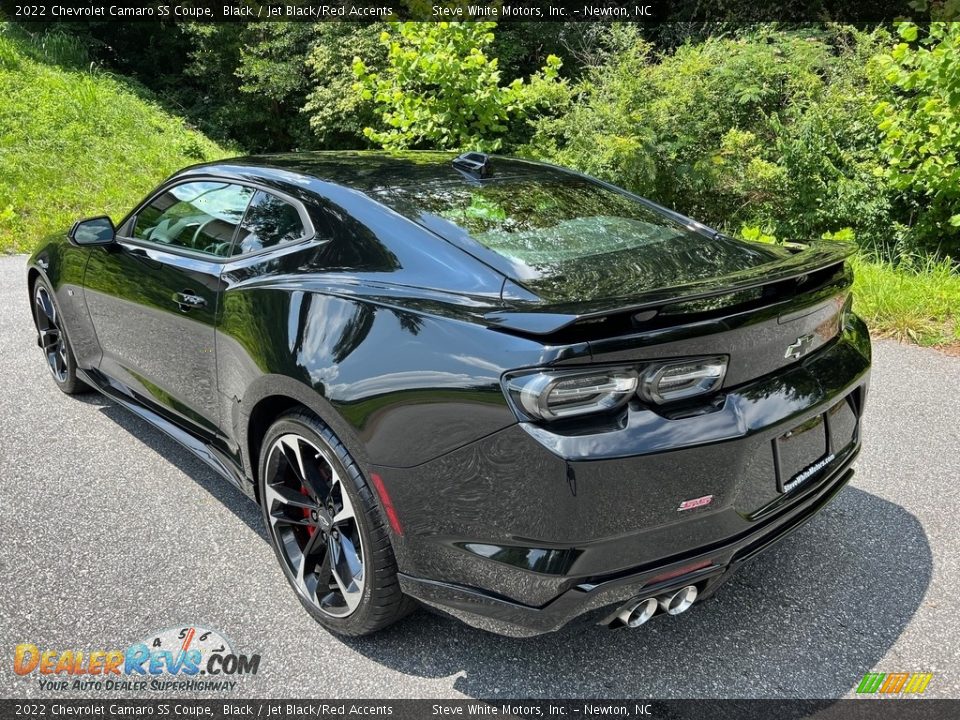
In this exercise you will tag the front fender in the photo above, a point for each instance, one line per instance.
(62, 266)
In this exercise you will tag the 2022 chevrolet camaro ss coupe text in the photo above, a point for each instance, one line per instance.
(496, 387)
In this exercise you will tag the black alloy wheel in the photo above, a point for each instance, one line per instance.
(326, 529)
(54, 342)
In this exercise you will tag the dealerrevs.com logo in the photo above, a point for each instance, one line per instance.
(189, 658)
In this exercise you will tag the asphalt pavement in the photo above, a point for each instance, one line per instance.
(110, 531)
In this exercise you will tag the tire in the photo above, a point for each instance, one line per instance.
(302, 461)
(54, 340)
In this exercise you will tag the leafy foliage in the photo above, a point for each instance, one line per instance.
(273, 70)
(776, 133)
(920, 122)
(246, 82)
(439, 89)
(769, 128)
(337, 114)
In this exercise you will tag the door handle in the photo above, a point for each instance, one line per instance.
(188, 300)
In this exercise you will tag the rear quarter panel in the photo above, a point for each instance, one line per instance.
(408, 386)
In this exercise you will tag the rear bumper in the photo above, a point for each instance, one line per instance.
(598, 600)
(522, 531)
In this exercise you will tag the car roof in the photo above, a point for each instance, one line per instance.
(368, 171)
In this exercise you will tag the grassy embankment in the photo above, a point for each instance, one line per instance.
(76, 141)
(920, 304)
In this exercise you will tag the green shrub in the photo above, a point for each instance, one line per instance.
(920, 122)
(274, 73)
(337, 114)
(439, 89)
(770, 128)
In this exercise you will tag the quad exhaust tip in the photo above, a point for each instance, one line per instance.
(636, 614)
(678, 602)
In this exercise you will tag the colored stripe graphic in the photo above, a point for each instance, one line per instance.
(870, 683)
(918, 683)
(894, 683)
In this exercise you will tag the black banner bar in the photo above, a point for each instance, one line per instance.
(235, 709)
(643, 11)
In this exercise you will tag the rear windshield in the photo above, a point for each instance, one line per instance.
(540, 222)
(571, 240)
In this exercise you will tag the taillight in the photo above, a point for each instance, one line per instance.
(548, 395)
(557, 394)
(846, 312)
(681, 380)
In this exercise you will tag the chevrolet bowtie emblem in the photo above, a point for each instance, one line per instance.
(800, 347)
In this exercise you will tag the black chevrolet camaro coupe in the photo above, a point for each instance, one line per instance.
(499, 388)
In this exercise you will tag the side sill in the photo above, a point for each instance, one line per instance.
(208, 455)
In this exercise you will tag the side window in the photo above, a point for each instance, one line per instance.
(199, 216)
(269, 221)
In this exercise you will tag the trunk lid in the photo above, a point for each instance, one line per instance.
(624, 299)
(762, 318)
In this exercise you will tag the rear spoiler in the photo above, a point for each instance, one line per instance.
(545, 319)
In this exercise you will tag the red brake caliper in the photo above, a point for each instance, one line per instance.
(306, 513)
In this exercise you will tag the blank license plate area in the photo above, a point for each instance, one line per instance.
(799, 449)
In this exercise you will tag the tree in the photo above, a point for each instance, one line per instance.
(273, 68)
(768, 128)
(337, 114)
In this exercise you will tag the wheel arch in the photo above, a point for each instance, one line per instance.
(35, 274)
(47, 263)
(32, 275)
(272, 396)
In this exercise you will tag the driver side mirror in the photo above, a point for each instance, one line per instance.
(93, 231)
